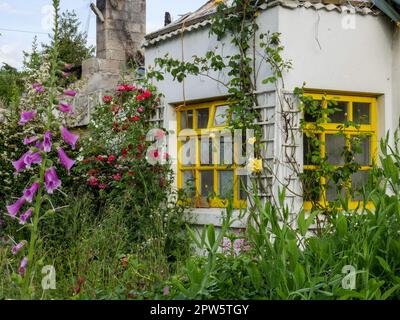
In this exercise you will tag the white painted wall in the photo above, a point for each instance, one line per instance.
(365, 59)
(354, 60)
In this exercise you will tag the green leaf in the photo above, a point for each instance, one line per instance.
(211, 235)
(389, 292)
(299, 276)
(384, 264)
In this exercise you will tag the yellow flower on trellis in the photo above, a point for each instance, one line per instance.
(255, 165)
(252, 140)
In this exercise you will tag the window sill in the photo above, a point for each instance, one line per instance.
(206, 216)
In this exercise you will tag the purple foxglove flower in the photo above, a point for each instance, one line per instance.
(14, 208)
(25, 216)
(47, 142)
(51, 180)
(32, 158)
(30, 193)
(22, 266)
(17, 247)
(20, 164)
(69, 92)
(26, 161)
(39, 145)
(69, 137)
(30, 140)
(38, 87)
(66, 108)
(64, 160)
(26, 116)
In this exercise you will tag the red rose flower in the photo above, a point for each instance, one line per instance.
(121, 87)
(135, 118)
(99, 158)
(111, 158)
(139, 98)
(93, 181)
(107, 99)
(117, 177)
(147, 94)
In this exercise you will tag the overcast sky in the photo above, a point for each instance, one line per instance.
(20, 20)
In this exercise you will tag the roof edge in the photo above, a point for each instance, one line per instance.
(202, 21)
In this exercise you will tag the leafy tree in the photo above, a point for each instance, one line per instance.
(73, 48)
(33, 60)
(11, 85)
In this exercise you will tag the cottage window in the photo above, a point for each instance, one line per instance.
(353, 125)
(207, 171)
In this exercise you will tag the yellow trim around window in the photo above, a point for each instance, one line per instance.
(332, 128)
(197, 167)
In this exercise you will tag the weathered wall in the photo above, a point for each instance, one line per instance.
(122, 33)
(119, 40)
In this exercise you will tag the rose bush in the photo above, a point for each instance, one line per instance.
(125, 164)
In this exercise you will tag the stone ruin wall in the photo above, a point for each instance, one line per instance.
(121, 27)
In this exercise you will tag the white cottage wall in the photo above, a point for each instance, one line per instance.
(328, 56)
(198, 88)
(325, 55)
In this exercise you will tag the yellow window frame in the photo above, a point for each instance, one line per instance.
(332, 128)
(214, 202)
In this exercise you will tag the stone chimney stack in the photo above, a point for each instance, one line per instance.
(121, 34)
(121, 27)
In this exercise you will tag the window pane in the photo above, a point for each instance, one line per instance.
(334, 149)
(242, 186)
(221, 113)
(340, 115)
(361, 146)
(311, 186)
(333, 190)
(187, 119)
(206, 183)
(361, 112)
(202, 118)
(311, 149)
(225, 184)
(358, 181)
(188, 152)
(206, 151)
(188, 183)
(310, 109)
(226, 151)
